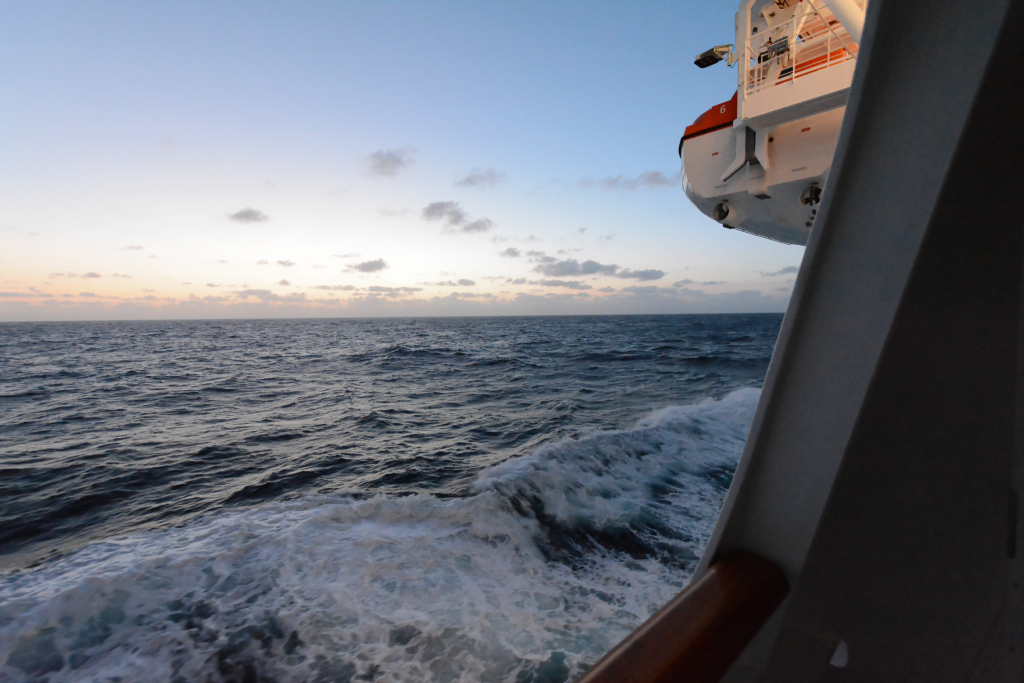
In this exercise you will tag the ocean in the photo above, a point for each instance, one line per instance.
(459, 499)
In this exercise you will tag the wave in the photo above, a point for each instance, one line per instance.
(551, 560)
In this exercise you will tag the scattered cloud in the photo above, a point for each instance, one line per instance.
(788, 270)
(345, 255)
(88, 294)
(714, 282)
(387, 163)
(248, 215)
(540, 257)
(479, 225)
(555, 268)
(607, 290)
(262, 262)
(449, 212)
(186, 283)
(121, 275)
(517, 281)
(393, 291)
(286, 263)
(392, 213)
(88, 276)
(564, 252)
(284, 283)
(453, 216)
(511, 252)
(471, 295)
(266, 296)
(642, 275)
(210, 284)
(581, 230)
(648, 289)
(682, 283)
(449, 283)
(221, 261)
(570, 284)
(649, 179)
(335, 288)
(134, 247)
(152, 256)
(367, 266)
(482, 178)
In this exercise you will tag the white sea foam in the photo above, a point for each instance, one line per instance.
(395, 589)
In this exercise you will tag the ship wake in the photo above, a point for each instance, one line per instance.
(551, 560)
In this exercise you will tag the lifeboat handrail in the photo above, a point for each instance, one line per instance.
(828, 25)
(815, 41)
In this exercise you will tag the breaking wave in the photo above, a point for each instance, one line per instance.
(550, 561)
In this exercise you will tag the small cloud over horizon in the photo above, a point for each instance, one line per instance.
(248, 215)
(788, 270)
(449, 283)
(487, 178)
(648, 179)
(642, 275)
(454, 218)
(334, 288)
(569, 284)
(387, 163)
(373, 266)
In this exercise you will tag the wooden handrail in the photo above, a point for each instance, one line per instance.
(700, 633)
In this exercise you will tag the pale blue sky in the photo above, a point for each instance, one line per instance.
(128, 124)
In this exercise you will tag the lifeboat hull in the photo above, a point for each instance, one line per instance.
(760, 181)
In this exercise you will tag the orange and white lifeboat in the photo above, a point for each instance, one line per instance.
(760, 161)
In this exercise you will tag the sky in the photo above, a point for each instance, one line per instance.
(169, 160)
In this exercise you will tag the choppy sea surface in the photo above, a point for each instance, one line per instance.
(489, 499)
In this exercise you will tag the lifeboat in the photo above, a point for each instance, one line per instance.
(759, 162)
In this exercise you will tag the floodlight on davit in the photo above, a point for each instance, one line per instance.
(759, 162)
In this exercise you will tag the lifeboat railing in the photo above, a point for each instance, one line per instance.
(809, 41)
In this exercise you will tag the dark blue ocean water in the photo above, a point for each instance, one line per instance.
(340, 500)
